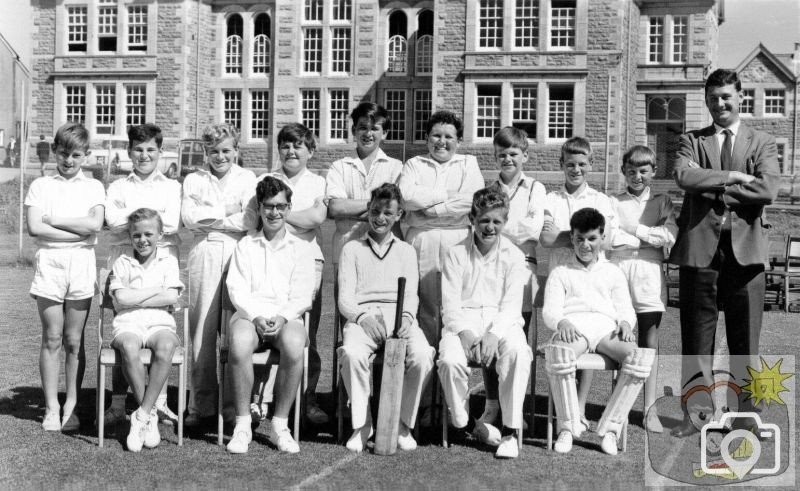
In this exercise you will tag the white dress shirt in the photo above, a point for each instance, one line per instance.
(205, 196)
(162, 271)
(525, 213)
(652, 217)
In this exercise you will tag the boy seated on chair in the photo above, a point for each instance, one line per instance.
(482, 287)
(144, 285)
(587, 304)
(368, 273)
(270, 282)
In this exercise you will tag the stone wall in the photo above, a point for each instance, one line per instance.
(42, 64)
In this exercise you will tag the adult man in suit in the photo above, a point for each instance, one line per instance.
(729, 173)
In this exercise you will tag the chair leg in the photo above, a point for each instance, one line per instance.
(221, 391)
(532, 421)
(101, 402)
(340, 408)
(549, 419)
(181, 398)
(444, 421)
(299, 402)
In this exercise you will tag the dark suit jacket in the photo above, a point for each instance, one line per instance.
(707, 197)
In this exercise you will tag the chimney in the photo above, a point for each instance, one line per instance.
(796, 59)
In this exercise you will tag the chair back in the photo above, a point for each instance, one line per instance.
(793, 253)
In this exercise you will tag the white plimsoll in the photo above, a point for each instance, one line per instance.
(560, 366)
(635, 370)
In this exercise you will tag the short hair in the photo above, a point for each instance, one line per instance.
(41, 137)
(587, 219)
(297, 132)
(271, 186)
(511, 137)
(72, 136)
(216, 133)
(722, 77)
(374, 112)
(638, 156)
(143, 214)
(144, 132)
(445, 117)
(386, 191)
(487, 199)
(577, 145)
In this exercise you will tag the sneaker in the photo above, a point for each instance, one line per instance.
(405, 440)
(508, 448)
(564, 442)
(609, 444)
(486, 433)
(138, 433)
(152, 437)
(282, 438)
(164, 413)
(51, 421)
(70, 422)
(242, 436)
(193, 420)
(358, 440)
(315, 415)
(112, 416)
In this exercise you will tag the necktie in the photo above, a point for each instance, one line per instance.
(726, 157)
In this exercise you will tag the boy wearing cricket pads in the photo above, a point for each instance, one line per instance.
(647, 231)
(437, 189)
(270, 282)
(143, 285)
(588, 306)
(369, 269)
(144, 187)
(482, 285)
(64, 212)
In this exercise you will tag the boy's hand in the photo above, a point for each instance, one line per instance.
(262, 325)
(567, 332)
(372, 328)
(470, 344)
(232, 209)
(274, 325)
(550, 226)
(488, 345)
(625, 332)
(405, 328)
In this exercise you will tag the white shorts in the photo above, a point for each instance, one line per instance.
(645, 282)
(64, 274)
(143, 323)
(593, 326)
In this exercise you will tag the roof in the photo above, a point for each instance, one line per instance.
(783, 62)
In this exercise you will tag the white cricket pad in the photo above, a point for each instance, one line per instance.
(560, 366)
(635, 370)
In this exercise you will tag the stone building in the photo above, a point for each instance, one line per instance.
(619, 72)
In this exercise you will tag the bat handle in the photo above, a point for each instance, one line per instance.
(398, 315)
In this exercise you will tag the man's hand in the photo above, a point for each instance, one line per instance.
(625, 332)
(567, 332)
(488, 345)
(405, 328)
(274, 325)
(736, 177)
(373, 329)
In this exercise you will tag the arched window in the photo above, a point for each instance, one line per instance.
(424, 49)
(233, 44)
(261, 44)
(397, 49)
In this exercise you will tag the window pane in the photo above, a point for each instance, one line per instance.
(261, 50)
(490, 24)
(526, 24)
(137, 28)
(656, 40)
(135, 104)
(422, 112)
(560, 112)
(313, 10)
(396, 107)
(397, 54)
(105, 103)
(340, 50)
(312, 50)
(233, 45)
(77, 28)
(309, 99)
(488, 111)
(773, 101)
(342, 10)
(232, 107)
(76, 103)
(425, 55)
(680, 38)
(523, 115)
(259, 114)
(746, 105)
(340, 108)
(107, 28)
(562, 24)
(782, 158)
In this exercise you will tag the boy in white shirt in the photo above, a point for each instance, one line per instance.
(270, 282)
(64, 212)
(143, 285)
(482, 285)
(437, 189)
(144, 187)
(296, 146)
(213, 207)
(368, 277)
(647, 231)
(588, 306)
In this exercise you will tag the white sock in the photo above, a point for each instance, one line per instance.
(244, 421)
(280, 423)
(141, 415)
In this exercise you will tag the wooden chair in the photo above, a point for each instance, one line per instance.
(108, 357)
(672, 281)
(269, 357)
(787, 279)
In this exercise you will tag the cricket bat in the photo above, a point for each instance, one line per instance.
(394, 366)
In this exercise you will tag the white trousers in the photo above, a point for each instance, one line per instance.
(513, 367)
(355, 359)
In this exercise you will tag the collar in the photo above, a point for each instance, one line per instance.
(80, 176)
(161, 254)
(583, 190)
(493, 252)
(356, 161)
(457, 158)
(287, 240)
(390, 237)
(642, 197)
(280, 174)
(524, 181)
(155, 176)
(574, 263)
(233, 172)
(734, 128)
